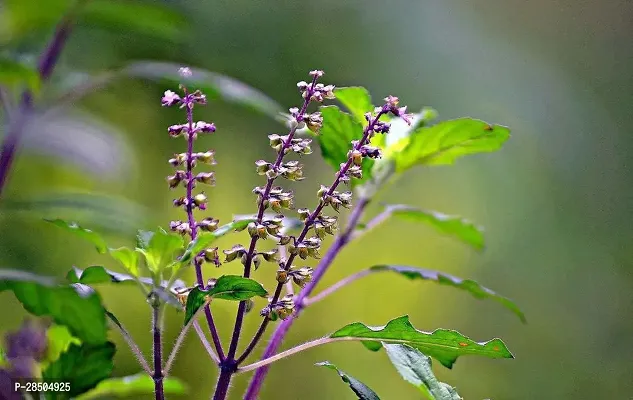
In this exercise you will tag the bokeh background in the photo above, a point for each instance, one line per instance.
(556, 201)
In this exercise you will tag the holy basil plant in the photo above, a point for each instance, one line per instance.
(368, 144)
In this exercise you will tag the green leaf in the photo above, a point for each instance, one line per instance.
(83, 366)
(227, 287)
(21, 18)
(128, 258)
(446, 141)
(160, 250)
(59, 340)
(453, 225)
(473, 287)
(108, 214)
(143, 238)
(357, 101)
(362, 391)
(335, 138)
(442, 344)
(205, 239)
(415, 368)
(97, 274)
(141, 19)
(86, 234)
(79, 310)
(133, 385)
(16, 74)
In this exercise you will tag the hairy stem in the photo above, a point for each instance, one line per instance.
(46, 64)
(338, 285)
(194, 227)
(158, 356)
(257, 381)
(130, 341)
(205, 343)
(289, 352)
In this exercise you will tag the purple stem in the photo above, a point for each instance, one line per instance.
(277, 337)
(193, 225)
(230, 364)
(158, 356)
(46, 64)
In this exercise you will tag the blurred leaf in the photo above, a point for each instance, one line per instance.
(357, 101)
(109, 213)
(453, 225)
(133, 385)
(153, 19)
(83, 366)
(81, 312)
(142, 19)
(80, 139)
(205, 239)
(17, 75)
(212, 84)
(442, 344)
(128, 258)
(415, 368)
(335, 138)
(473, 287)
(160, 250)
(227, 287)
(362, 391)
(83, 233)
(59, 340)
(96, 274)
(446, 141)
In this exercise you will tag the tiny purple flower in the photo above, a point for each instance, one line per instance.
(170, 98)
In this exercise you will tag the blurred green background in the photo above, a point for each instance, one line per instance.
(555, 201)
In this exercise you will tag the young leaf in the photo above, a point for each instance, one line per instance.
(362, 391)
(143, 238)
(83, 366)
(459, 227)
(227, 287)
(128, 258)
(14, 73)
(59, 340)
(442, 344)
(86, 234)
(357, 101)
(80, 311)
(205, 239)
(160, 250)
(415, 368)
(133, 385)
(478, 291)
(446, 141)
(338, 131)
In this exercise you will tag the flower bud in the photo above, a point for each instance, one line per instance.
(200, 199)
(207, 178)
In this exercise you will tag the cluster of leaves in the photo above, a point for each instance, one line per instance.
(78, 350)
